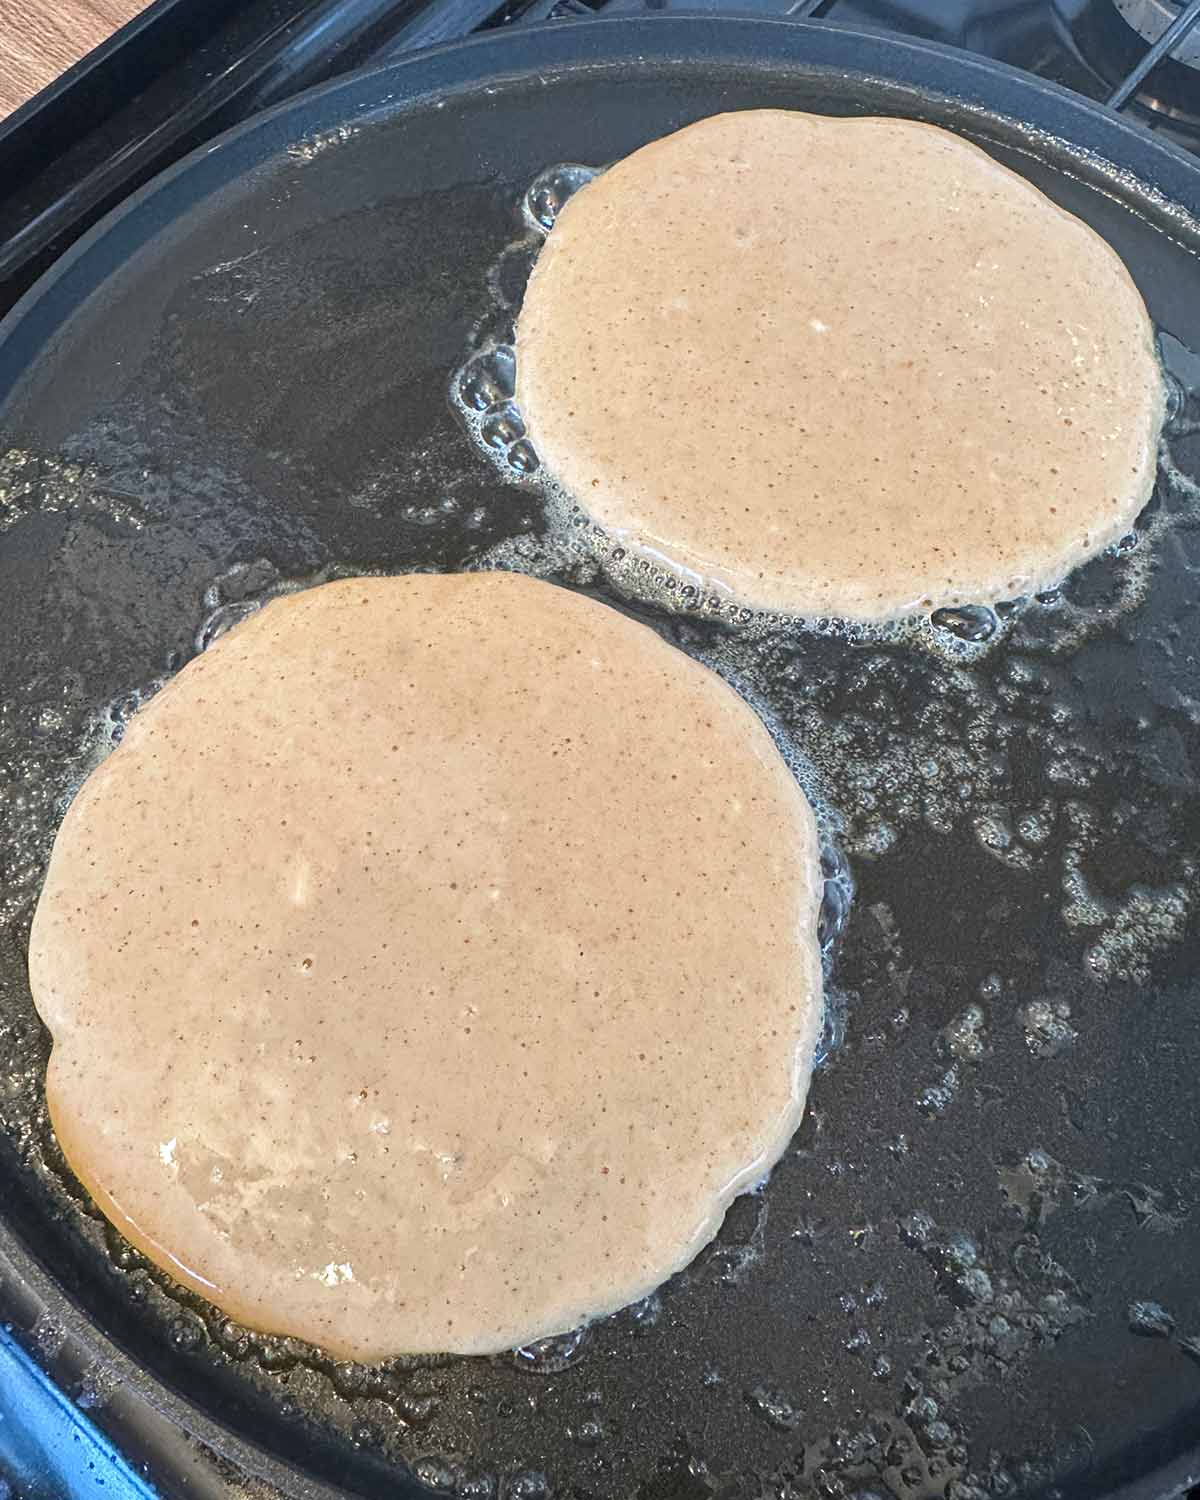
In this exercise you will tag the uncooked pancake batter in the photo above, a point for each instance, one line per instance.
(430, 965)
(850, 367)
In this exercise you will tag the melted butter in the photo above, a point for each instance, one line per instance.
(430, 964)
(850, 367)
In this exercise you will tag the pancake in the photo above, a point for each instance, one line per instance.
(430, 965)
(839, 367)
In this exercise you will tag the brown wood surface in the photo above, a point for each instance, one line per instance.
(39, 39)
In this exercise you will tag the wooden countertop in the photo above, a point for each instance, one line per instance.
(39, 39)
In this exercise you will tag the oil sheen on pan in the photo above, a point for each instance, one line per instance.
(430, 965)
(839, 367)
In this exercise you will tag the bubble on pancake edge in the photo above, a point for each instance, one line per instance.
(834, 1016)
(1175, 402)
(233, 596)
(487, 379)
(523, 458)
(508, 275)
(481, 394)
(969, 622)
(837, 896)
(1123, 545)
(550, 190)
(502, 426)
(222, 619)
(552, 1355)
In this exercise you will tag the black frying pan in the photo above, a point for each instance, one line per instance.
(975, 1271)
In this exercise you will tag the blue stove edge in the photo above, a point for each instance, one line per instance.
(48, 1446)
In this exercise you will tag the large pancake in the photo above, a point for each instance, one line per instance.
(430, 965)
(850, 367)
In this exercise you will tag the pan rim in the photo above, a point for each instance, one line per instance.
(461, 68)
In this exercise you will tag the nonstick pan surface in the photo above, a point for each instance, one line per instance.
(976, 1269)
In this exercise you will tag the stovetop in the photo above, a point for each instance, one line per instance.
(186, 70)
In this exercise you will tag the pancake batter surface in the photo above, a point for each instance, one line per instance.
(850, 367)
(430, 964)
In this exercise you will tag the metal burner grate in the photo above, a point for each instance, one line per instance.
(1168, 44)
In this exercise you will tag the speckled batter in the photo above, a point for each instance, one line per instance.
(850, 367)
(430, 965)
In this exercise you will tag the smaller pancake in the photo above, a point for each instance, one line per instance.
(846, 367)
(430, 965)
